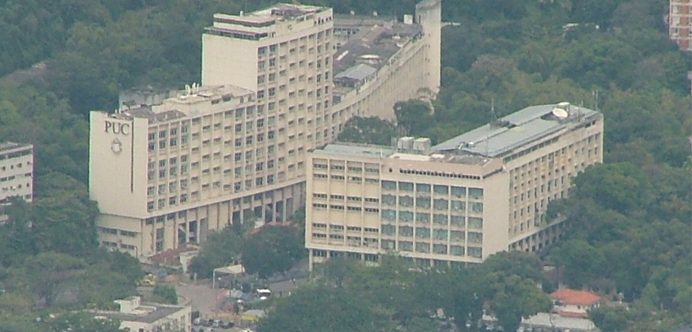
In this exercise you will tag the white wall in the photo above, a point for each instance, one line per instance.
(117, 179)
(229, 61)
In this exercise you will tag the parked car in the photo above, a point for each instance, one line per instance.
(227, 325)
(197, 322)
(207, 322)
(216, 323)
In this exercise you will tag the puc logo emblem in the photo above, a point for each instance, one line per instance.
(116, 146)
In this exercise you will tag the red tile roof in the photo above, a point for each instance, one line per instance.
(575, 297)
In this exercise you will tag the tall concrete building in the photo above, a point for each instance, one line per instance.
(171, 166)
(477, 194)
(680, 23)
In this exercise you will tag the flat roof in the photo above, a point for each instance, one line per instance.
(377, 44)
(269, 15)
(543, 319)
(514, 130)
(358, 150)
(388, 152)
(159, 311)
(184, 98)
(12, 146)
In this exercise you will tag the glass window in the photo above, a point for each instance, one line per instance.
(476, 207)
(406, 216)
(389, 185)
(441, 190)
(475, 222)
(406, 186)
(456, 250)
(388, 214)
(459, 191)
(440, 234)
(458, 221)
(422, 232)
(457, 236)
(388, 229)
(422, 247)
(440, 249)
(441, 219)
(458, 205)
(422, 188)
(405, 200)
(441, 204)
(388, 199)
(423, 217)
(476, 193)
(405, 231)
(475, 237)
(423, 201)
(475, 252)
(388, 245)
(406, 246)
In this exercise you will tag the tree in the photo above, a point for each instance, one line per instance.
(413, 117)
(220, 249)
(165, 294)
(340, 310)
(370, 130)
(48, 274)
(272, 249)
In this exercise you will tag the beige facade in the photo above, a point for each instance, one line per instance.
(480, 193)
(172, 166)
(166, 175)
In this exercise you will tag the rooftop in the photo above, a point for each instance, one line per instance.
(153, 313)
(544, 319)
(268, 16)
(359, 150)
(374, 45)
(180, 105)
(575, 297)
(516, 130)
(383, 151)
(11, 146)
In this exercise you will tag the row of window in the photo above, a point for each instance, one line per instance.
(475, 193)
(427, 202)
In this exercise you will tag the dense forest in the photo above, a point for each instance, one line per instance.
(631, 216)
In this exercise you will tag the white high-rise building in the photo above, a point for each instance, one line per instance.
(170, 167)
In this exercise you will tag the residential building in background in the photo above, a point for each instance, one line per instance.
(150, 317)
(170, 166)
(16, 172)
(461, 201)
(680, 23)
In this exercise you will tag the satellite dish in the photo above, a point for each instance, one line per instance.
(560, 113)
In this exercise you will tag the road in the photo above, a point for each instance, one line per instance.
(204, 298)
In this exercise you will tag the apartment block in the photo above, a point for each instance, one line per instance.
(680, 23)
(16, 171)
(459, 202)
(136, 316)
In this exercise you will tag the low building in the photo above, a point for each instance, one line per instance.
(545, 322)
(574, 303)
(480, 193)
(16, 172)
(680, 23)
(151, 317)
